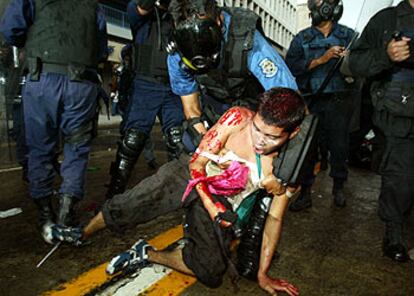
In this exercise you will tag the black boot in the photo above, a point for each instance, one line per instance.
(338, 193)
(393, 244)
(44, 204)
(303, 201)
(66, 212)
(127, 154)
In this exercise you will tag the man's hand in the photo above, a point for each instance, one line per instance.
(399, 51)
(273, 285)
(331, 53)
(273, 186)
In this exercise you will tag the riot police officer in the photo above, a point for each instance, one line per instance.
(222, 55)
(62, 54)
(312, 53)
(385, 53)
(151, 94)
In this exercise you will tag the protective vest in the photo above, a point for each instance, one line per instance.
(232, 80)
(314, 46)
(64, 33)
(393, 95)
(150, 57)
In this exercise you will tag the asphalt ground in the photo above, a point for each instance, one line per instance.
(323, 250)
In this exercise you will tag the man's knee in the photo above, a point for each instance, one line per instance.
(80, 136)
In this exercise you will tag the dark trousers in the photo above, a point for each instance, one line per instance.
(334, 112)
(55, 105)
(154, 196)
(148, 100)
(397, 171)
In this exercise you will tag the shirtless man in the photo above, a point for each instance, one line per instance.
(249, 138)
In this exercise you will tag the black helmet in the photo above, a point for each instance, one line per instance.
(325, 10)
(198, 41)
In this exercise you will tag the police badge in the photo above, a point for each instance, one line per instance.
(269, 69)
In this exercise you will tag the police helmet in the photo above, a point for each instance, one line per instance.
(198, 41)
(324, 10)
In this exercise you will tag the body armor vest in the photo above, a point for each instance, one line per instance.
(232, 80)
(150, 57)
(314, 46)
(393, 94)
(64, 33)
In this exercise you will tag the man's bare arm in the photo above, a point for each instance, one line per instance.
(271, 236)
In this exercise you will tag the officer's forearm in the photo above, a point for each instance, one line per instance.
(192, 109)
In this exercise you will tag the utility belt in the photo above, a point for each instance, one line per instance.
(404, 75)
(395, 97)
(74, 72)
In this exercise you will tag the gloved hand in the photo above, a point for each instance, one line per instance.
(54, 233)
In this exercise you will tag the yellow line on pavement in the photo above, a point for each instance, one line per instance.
(174, 283)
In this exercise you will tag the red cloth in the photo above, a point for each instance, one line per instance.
(232, 181)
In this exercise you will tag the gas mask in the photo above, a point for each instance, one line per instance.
(325, 10)
(198, 42)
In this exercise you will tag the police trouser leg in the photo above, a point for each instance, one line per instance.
(397, 192)
(129, 149)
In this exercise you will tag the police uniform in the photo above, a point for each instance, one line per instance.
(151, 94)
(62, 54)
(249, 65)
(392, 94)
(334, 105)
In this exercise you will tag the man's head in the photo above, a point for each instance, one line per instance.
(325, 10)
(279, 115)
(197, 35)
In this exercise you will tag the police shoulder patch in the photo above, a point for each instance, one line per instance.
(269, 68)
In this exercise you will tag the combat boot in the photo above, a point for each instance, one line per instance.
(338, 193)
(393, 243)
(44, 204)
(303, 201)
(129, 149)
(66, 212)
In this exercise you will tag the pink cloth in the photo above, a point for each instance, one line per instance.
(232, 181)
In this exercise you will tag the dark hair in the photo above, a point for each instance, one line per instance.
(184, 9)
(282, 107)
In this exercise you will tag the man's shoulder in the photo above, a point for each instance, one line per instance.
(384, 16)
(306, 34)
(236, 116)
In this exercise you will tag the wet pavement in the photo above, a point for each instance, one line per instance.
(323, 250)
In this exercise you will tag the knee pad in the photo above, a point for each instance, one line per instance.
(174, 142)
(80, 135)
(132, 143)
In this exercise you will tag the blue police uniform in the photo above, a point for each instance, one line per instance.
(264, 64)
(54, 102)
(150, 98)
(151, 95)
(334, 106)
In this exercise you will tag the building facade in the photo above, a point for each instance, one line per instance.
(303, 19)
(278, 18)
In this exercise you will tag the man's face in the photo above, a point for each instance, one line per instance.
(267, 138)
